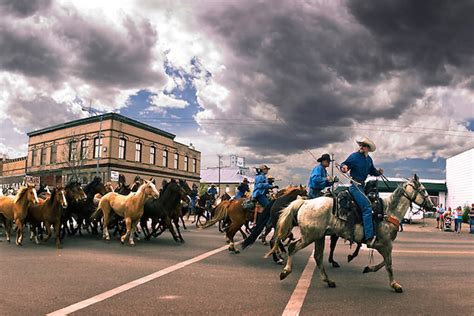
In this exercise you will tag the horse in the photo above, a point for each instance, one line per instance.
(236, 214)
(125, 189)
(130, 207)
(316, 220)
(165, 209)
(203, 205)
(49, 212)
(15, 208)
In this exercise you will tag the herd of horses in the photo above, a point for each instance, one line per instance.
(72, 209)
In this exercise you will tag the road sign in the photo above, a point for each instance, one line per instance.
(114, 175)
(32, 179)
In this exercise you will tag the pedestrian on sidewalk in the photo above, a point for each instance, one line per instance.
(459, 218)
(471, 219)
(439, 213)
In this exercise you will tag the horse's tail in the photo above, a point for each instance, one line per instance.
(285, 223)
(220, 214)
(96, 213)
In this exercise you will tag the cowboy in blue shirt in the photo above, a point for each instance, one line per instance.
(242, 189)
(319, 179)
(261, 186)
(193, 199)
(212, 191)
(360, 166)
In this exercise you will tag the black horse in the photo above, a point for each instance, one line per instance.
(165, 210)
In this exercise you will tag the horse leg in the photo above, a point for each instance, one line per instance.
(355, 254)
(182, 221)
(176, 223)
(170, 227)
(244, 235)
(8, 229)
(318, 256)
(334, 239)
(105, 225)
(230, 233)
(128, 224)
(375, 268)
(48, 230)
(386, 253)
(132, 232)
(293, 248)
(57, 231)
(276, 257)
(19, 231)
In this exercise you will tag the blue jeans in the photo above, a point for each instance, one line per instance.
(262, 199)
(314, 193)
(364, 204)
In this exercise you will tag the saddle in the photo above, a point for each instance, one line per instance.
(347, 210)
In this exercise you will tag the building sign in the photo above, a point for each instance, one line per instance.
(241, 162)
(32, 179)
(114, 175)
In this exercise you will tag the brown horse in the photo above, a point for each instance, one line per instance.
(50, 213)
(236, 214)
(130, 207)
(16, 209)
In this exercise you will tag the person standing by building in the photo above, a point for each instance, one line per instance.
(454, 216)
(459, 218)
(471, 219)
(439, 214)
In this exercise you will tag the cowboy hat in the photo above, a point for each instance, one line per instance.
(263, 167)
(366, 141)
(245, 180)
(324, 157)
(270, 177)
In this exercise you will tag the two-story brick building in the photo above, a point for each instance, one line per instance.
(124, 145)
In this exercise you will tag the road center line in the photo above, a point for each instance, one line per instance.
(297, 298)
(130, 285)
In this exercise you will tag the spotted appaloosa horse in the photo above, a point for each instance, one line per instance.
(315, 220)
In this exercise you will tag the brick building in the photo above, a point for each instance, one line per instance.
(127, 146)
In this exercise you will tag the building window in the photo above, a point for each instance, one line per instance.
(152, 155)
(97, 147)
(33, 154)
(54, 150)
(165, 158)
(138, 152)
(84, 148)
(43, 156)
(176, 160)
(194, 165)
(186, 163)
(72, 150)
(122, 144)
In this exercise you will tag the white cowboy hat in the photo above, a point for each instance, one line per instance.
(262, 167)
(366, 141)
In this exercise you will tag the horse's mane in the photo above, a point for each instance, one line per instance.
(94, 182)
(20, 194)
(72, 184)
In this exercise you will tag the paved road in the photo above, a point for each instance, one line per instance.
(435, 268)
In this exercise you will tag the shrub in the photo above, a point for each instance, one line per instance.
(465, 214)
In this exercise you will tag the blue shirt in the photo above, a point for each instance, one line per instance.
(261, 185)
(212, 192)
(318, 178)
(360, 166)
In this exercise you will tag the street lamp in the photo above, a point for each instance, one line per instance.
(91, 112)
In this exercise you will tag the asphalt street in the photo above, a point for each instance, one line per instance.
(436, 270)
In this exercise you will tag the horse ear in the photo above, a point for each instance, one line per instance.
(415, 177)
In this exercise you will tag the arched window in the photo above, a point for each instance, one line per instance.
(176, 160)
(84, 148)
(186, 163)
(72, 150)
(152, 155)
(97, 147)
(138, 152)
(122, 148)
(165, 158)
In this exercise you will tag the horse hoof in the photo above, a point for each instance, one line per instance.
(279, 261)
(366, 270)
(283, 275)
(397, 287)
(331, 284)
(132, 245)
(350, 258)
(335, 264)
(236, 251)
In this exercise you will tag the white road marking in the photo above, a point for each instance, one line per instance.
(297, 298)
(427, 252)
(130, 285)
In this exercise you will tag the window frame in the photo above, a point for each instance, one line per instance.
(84, 148)
(123, 148)
(53, 153)
(139, 150)
(98, 142)
(165, 158)
(73, 150)
(176, 161)
(153, 155)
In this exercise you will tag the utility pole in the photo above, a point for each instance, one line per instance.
(91, 112)
(219, 167)
(332, 171)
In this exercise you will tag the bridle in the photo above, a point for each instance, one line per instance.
(417, 192)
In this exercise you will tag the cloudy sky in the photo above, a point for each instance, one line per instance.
(277, 82)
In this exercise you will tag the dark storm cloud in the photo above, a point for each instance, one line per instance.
(23, 51)
(23, 8)
(424, 35)
(319, 71)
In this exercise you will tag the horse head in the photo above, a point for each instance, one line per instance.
(96, 186)
(31, 195)
(75, 192)
(416, 193)
(60, 196)
(150, 189)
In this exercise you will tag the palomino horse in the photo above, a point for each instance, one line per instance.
(16, 209)
(316, 220)
(49, 212)
(130, 207)
(236, 214)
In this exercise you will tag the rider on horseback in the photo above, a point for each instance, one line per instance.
(319, 178)
(242, 189)
(360, 165)
(261, 186)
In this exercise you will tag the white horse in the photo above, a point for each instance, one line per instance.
(316, 220)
